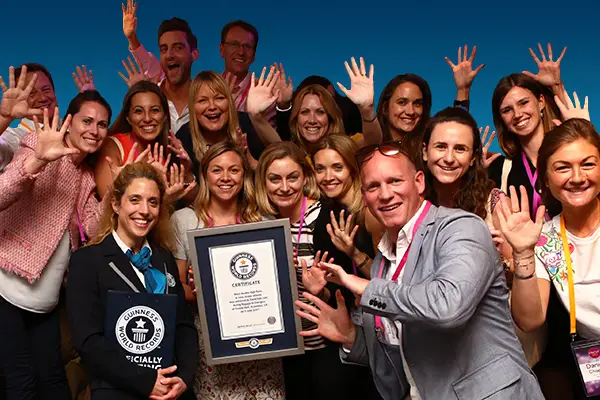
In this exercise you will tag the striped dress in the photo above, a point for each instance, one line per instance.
(306, 251)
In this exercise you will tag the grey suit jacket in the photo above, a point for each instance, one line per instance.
(457, 331)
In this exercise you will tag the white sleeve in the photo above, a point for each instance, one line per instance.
(180, 236)
(9, 144)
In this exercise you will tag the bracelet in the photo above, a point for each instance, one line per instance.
(186, 184)
(365, 261)
(523, 263)
(524, 277)
(280, 110)
(370, 120)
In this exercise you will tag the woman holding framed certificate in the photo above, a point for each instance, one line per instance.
(225, 197)
(286, 188)
(129, 260)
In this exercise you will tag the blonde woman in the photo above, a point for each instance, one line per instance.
(135, 237)
(338, 178)
(286, 187)
(225, 197)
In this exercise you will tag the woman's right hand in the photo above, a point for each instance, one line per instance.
(518, 229)
(342, 233)
(115, 169)
(14, 97)
(314, 279)
(50, 141)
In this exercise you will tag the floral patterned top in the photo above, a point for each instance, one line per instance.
(551, 265)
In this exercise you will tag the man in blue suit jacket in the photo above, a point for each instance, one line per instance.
(434, 321)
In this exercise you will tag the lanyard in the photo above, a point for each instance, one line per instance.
(567, 253)
(239, 101)
(81, 234)
(537, 199)
(404, 257)
(301, 225)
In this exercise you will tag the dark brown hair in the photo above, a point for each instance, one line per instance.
(240, 24)
(178, 25)
(475, 186)
(509, 142)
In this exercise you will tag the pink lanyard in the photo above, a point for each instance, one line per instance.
(81, 234)
(537, 199)
(404, 257)
(301, 224)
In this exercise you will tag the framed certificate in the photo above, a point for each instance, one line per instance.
(246, 287)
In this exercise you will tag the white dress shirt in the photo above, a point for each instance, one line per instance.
(393, 252)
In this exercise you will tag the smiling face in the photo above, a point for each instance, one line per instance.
(392, 189)
(176, 57)
(211, 109)
(405, 107)
(42, 95)
(225, 176)
(146, 116)
(332, 173)
(238, 50)
(313, 121)
(573, 174)
(138, 210)
(521, 111)
(284, 183)
(449, 153)
(89, 128)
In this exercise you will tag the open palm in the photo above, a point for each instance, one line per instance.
(14, 97)
(315, 279)
(463, 71)
(50, 141)
(361, 85)
(260, 95)
(333, 324)
(548, 69)
(516, 225)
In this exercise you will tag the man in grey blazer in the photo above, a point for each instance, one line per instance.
(434, 321)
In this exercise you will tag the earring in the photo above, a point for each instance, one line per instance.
(542, 113)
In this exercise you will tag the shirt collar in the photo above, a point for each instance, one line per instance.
(124, 247)
(389, 249)
(245, 82)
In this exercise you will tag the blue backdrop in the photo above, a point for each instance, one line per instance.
(316, 38)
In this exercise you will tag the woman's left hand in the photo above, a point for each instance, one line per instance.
(342, 233)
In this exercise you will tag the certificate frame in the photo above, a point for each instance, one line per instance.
(206, 246)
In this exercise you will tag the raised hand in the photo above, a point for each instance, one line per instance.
(261, 95)
(176, 148)
(548, 70)
(176, 185)
(134, 75)
(129, 18)
(50, 141)
(361, 85)
(157, 159)
(342, 233)
(115, 169)
(463, 71)
(314, 279)
(14, 97)
(286, 89)
(569, 111)
(518, 229)
(84, 79)
(487, 157)
(333, 324)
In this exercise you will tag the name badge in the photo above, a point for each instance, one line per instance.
(587, 358)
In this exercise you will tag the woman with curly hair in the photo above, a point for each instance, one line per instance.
(452, 152)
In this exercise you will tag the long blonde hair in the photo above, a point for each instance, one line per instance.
(161, 234)
(277, 151)
(217, 84)
(334, 114)
(246, 200)
(346, 148)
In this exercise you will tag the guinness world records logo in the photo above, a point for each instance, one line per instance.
(139, 330)
(243, 266)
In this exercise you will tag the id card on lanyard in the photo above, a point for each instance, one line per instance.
(381, 330)
(585, 352)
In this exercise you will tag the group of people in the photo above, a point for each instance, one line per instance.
(427, 266)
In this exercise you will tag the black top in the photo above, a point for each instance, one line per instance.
(255, 145)
(516, 177)
(89, 280)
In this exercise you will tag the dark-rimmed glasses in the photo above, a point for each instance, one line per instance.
(389, 149)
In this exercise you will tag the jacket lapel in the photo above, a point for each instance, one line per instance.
(417, 243)
(114, 254)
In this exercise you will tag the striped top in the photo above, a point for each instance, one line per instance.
(306, 251)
